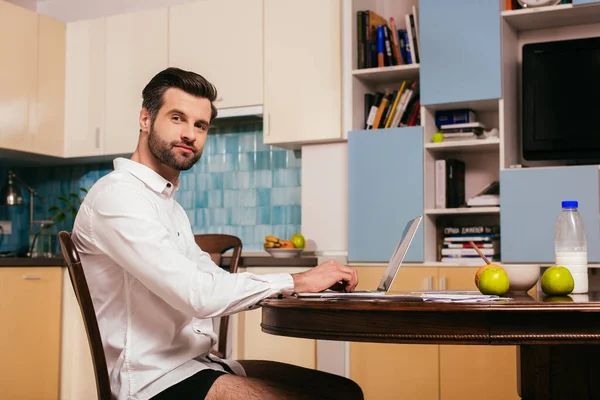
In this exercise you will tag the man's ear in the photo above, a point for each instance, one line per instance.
(145, 120)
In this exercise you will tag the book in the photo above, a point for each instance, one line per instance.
(449, 183)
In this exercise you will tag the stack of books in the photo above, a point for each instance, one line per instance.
(466, 131)
(393, 108)
(457, 249)
(381, 43)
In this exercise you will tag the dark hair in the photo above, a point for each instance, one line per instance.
(189, 82)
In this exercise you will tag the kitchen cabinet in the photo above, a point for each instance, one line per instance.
(396, 371)
(385, 191)
(134, 54)
(77, 379)
(18, 76)
(254, 344)
(460, 51)
(48, 137)
(440, 372)
(30, 314)
(302, 72)
(531, 204)
(465, 369)
(224, 47)
(84, 88)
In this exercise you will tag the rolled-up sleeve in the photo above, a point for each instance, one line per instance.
(132, 235)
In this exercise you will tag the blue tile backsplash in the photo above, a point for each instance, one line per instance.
(240, 186)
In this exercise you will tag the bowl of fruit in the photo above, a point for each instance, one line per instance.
(284, 248)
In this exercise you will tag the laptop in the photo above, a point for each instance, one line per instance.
(388, 275)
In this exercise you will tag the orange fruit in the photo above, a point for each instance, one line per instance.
(286, 244)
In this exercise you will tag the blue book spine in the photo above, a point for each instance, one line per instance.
(408, 48)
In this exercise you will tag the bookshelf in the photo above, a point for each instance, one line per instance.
(481, 156)
(551, 16)
(458, 211)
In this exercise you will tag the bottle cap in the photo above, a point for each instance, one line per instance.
(570, 204)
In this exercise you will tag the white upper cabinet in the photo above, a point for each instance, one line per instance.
(222, 41)
(18, 76)
(302, 71)
(84, 88)
(136, 50)
(49, 135)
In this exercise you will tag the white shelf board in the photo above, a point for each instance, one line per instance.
(463, 210)
(384, 75)
(552, 16)
(470, 145)
(482, 105)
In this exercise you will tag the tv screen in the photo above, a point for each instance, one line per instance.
(561, 101)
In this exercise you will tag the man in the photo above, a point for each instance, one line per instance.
(155, 291)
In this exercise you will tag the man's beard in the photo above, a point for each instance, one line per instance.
(165, 152)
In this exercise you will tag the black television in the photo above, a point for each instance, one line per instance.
(561, 101)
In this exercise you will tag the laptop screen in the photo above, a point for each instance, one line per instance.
(398, 255)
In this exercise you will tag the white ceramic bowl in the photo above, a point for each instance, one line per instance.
(522, 277)
(284, 253)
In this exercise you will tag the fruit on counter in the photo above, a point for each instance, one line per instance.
(480, 270)
(557, 281)
(298, 241)
(286, 244)
(494, 280)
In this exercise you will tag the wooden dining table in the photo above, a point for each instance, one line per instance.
(558, 338)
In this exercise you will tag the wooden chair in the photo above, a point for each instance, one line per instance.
(87, 311)
(216, 244)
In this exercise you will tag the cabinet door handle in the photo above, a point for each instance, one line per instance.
(97, 138)
(32, 277)
(267, 124)
(429, 283)
(443, 283)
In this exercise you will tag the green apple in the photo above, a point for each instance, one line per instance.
(494, 280)
(298, 241)
(557, 281)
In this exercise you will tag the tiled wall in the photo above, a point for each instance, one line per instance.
(239, 186)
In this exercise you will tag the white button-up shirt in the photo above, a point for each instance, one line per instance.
(154, 290)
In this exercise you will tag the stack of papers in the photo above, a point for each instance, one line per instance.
(447, 296)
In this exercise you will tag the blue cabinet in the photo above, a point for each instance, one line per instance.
(580, 2)
(385, 191)
(460, 50)
(530, 201)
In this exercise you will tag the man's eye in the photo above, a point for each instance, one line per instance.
(176, 118)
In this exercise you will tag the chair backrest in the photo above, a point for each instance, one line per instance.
(86, 306)
(216, 244)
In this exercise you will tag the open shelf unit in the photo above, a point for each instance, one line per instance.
(370, 80)
(551, 16)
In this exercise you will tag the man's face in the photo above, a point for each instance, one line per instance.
(178, 134)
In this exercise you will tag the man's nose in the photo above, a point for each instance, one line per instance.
(189, 134)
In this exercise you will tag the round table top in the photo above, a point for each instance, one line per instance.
(522, 320)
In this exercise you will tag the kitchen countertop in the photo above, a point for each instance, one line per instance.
(246, 261)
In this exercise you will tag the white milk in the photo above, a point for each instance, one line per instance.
(576, 262)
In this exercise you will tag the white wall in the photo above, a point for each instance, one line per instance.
(74, 10)
(325, 198)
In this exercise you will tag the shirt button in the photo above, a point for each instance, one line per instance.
(168, 185)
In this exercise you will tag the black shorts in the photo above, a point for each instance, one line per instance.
(195, 387)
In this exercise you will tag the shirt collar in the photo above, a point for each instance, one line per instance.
(147, 175)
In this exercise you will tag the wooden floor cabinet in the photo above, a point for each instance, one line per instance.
(431, 372)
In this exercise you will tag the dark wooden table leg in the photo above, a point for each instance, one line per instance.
(559, 372)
